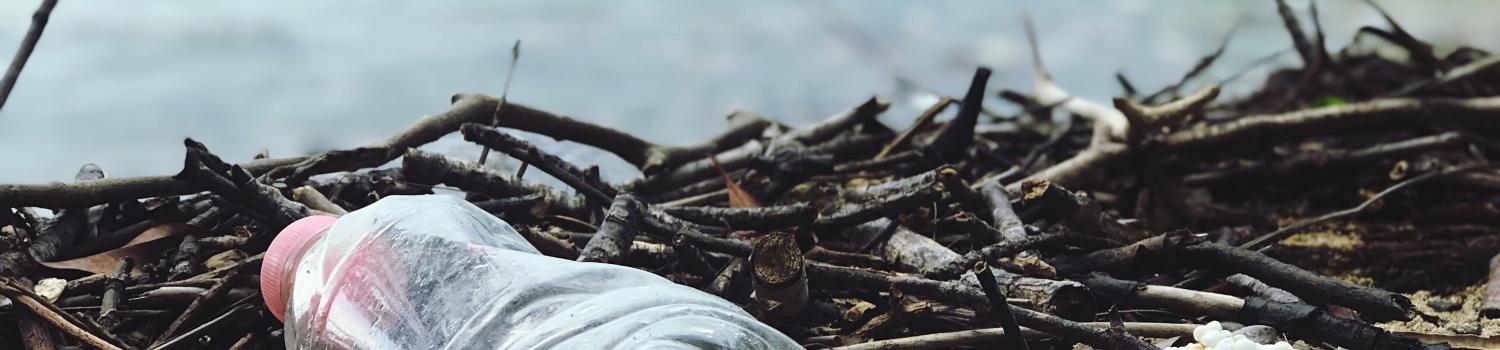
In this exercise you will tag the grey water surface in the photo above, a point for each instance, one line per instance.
(121, 83)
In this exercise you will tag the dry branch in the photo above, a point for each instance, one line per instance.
(85, 193)
(1369, 115)
(33, 35)
(613, 239)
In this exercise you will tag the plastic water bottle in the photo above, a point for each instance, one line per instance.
(435, 272)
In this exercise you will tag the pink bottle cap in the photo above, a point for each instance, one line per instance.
(286, 246)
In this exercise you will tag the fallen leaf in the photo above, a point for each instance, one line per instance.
(738, 197)
(143, 248)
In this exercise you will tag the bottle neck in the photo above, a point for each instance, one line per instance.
(288, 267)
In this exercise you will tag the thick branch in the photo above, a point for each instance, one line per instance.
(955, 139)
(1007, 249)
(741, 157)
(759, 219)
(557, 167)
(432, 169)
(1298, 165)
(85, 193)
(611, 243)
(1382, 113)
(968, 295)
(237, 185)
(777, 273)
(1373, 304)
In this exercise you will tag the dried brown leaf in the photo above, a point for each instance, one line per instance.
(738, 197)
(145, 247)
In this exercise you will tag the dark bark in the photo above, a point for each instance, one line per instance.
(1078, 211)
(851, 211)
(968, 295)
(114, 287)
(239, 186)
(186, 262)
(1007, 249)
(1373, 304)
(612, 242)
(1299, 165)
(1062, 298)
(1166, 248)
(758, 219)
(432, 169)
(999, 307)
(212, 295)
(1370, 115)
(776, 266)
(741, 157)
(592, 188)
(1307, 319)
(86, 193)
(955, 139)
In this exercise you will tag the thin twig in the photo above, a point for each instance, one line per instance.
(38, 23)
(515, 56)
(1260, 243)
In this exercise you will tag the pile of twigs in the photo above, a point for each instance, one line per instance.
(1115, 226)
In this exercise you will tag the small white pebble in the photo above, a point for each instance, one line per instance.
(50, 288)
(1242, 343)
(1202, 331)
(1212, 336)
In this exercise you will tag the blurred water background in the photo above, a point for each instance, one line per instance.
(120, 83)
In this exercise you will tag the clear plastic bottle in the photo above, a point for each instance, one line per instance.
(435, 272)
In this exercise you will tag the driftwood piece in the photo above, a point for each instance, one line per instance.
(967, 294)
(1002, 214)
(724, 283)
(1490, 307)
(987, 336)
(114, 286)
(849, 211)
(63, 320)
(1297, 318)
(1300, 164)
(1336, 330)
(759, 218)
(1368, 115)
(999, 307)
(1062, 298)
(517, 148)
(1262, 289)
(903, 248)
(742, 156)
(922, 121)
(433, 169)
(954, 140)
(1373, 304)
(237, 185)
(85, 193)
(777, 271)
(1007, 249)
(315, 200)
(612, 242)
(213, 294)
